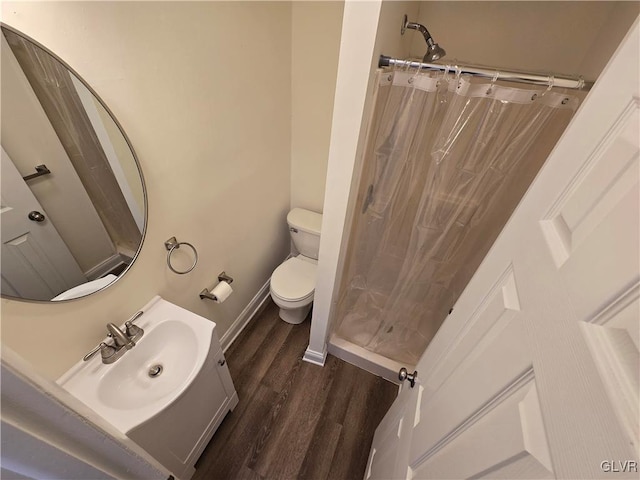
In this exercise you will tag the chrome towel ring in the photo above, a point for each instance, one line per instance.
(171, 245)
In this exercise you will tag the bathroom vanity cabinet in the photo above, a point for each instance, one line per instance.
(177, 435)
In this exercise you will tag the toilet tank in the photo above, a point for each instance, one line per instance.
(304, 227)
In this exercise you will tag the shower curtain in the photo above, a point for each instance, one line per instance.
(447, 159)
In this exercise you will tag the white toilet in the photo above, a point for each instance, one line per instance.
(294, 281)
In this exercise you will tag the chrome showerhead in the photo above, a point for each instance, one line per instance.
(434, 51)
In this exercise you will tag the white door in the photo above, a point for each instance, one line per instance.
(36, 263)
(535, 373)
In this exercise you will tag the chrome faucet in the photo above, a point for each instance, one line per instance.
(119, 337)
(122, 341)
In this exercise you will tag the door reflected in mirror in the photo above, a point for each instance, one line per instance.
(76, 222)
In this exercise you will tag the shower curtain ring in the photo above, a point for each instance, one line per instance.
(496, 75)
(412, 79)
(445, 74)
(550, 81)
(458, 71)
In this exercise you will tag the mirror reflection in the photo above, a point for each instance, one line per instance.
(73, 205)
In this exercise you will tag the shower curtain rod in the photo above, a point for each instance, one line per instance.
(532, 78)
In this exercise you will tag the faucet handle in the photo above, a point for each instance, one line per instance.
(93, 352)
(105, 351)
(134, 332)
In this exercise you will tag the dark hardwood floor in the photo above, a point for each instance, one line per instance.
(294, 419)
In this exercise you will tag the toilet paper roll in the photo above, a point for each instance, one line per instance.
(222, 292)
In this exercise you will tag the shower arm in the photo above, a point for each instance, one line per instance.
(434, 51)
(421, 28)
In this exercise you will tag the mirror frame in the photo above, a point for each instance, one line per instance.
(133, 154)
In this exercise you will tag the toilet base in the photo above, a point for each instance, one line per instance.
(295, 315)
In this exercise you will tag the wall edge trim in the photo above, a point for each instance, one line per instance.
(317, 358)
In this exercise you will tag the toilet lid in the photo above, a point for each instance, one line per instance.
(294, 280)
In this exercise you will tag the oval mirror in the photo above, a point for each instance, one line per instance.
(73, 200)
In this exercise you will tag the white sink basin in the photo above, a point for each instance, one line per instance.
(123, 392)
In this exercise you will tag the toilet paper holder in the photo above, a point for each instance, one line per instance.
(205, 293)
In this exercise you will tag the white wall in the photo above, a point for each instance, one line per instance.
(315, 42)
(569, 37)
(612, 31)
(203, 91)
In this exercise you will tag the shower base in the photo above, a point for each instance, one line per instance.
(363, 358)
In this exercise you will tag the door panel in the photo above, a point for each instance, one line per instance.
(490, 374)
(612, 338)
(499, 306)
(507, 442)
(600, 271)
(389, 454)
(490, 371)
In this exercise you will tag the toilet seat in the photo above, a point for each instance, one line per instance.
(294, 280)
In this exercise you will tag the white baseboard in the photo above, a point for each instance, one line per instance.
(245, 316)
(317, 358)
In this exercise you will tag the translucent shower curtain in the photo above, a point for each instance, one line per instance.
(447, 160)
